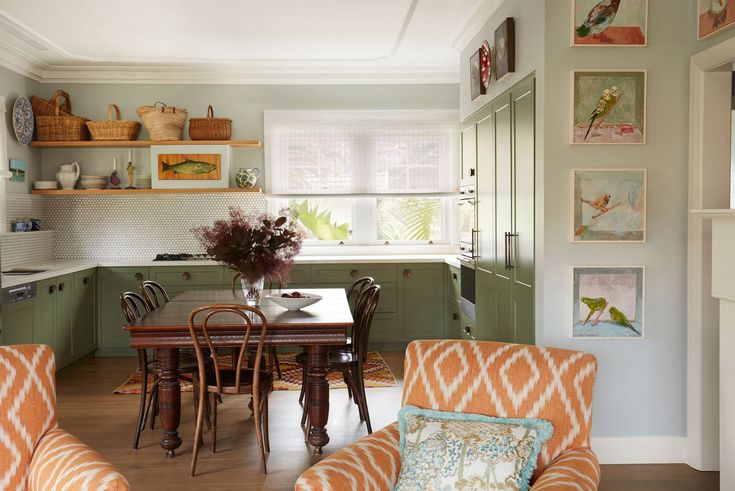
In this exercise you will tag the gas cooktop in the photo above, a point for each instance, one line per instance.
(182, 257)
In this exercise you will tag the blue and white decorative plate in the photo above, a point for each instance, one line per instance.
(23, 120)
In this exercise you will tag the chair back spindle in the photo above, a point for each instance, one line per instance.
(364, 311)
(154, 294)
(248, 315)
(355, 291)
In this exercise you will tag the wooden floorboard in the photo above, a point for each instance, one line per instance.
(89, 410)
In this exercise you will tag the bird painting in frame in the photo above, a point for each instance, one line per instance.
(607, 102)
(599, 19)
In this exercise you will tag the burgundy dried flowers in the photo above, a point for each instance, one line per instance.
(257, 246)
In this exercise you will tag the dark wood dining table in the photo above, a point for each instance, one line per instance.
(166, 330)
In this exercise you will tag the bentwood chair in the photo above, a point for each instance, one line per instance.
(154, 294)
(134, 306)
(350, 364)
(354, 292)
(273, 363)
(233, 381)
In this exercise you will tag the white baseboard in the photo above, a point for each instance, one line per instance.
(640, 449)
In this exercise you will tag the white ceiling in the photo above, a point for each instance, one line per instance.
(238, 41)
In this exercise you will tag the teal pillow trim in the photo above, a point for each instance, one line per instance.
(544, 430)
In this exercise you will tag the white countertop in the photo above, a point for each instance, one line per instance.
(62, 267)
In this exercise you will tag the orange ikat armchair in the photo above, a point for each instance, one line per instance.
(35, 454)
(494, 379)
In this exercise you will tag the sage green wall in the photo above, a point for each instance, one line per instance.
(641, 384)
(12, 86)
(244, 104)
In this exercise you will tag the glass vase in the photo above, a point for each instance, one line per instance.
(253, 291)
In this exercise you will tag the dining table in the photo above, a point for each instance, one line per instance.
(316, 327)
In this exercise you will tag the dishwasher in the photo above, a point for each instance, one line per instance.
(9, 296)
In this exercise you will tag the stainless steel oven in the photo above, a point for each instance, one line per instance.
(467, 224)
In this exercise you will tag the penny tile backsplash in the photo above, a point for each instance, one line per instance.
(130, 227)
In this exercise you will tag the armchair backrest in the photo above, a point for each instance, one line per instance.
(27, 407)
(506, 380)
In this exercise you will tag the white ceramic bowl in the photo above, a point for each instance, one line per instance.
(45, 185)
(294, 303)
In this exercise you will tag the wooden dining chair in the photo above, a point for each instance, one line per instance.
(236, 380)
(273, 363)
(350, 364)
(154, 294)
(134, 306)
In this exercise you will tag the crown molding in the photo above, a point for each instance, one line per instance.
(15, 60)
(481, 12)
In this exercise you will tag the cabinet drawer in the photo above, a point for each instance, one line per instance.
(454, 288)
(124, 274)
(347, 273)
(299, 275)
(188, 275)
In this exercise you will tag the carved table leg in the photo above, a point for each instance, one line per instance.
(169, 398)
(318, 396)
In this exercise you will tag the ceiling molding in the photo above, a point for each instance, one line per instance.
(19, 62)
(479, 16)
(254, 76)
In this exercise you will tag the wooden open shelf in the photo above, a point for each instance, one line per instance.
(145, 143)
(126, 192)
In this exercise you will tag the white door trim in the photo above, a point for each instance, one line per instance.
(709, 179)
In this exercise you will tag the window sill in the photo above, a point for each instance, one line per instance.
(378, 250)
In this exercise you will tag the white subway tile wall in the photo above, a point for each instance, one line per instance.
(136, 227)
(25, 248)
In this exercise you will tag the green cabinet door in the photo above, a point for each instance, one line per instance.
(454, 322)
(454, 289)
(468, 160)
(112, 282)
(84, 314)
(486, 323)
(63, 320)
(421, 300)
(44, 327)
(486, 247)
(17, 322)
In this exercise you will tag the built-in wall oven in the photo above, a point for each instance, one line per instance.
(467, 249)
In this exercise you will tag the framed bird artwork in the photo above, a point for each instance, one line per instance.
(608, 107)
(610, 23)
(714, 16)
(608, 302)
(609, 205)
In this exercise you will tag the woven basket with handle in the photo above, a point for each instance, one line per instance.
(114, 129)
(42, 107)
(210, 128)
(163, 122)
(61, 127)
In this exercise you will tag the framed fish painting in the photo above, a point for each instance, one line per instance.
(187, 167)
(714, 16)
(610, 23)
(609, 205)
(608, 302)
(608, 107)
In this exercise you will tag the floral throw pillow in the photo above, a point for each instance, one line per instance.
(443, 451)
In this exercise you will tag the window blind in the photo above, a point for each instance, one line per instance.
(361, 152)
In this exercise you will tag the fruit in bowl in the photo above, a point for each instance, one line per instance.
(294, 300)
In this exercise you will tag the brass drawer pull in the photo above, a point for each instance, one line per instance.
(138, 276)
(186, 275)
(407, 273)
(354, 273)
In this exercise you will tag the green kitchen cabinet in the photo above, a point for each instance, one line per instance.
(454, 322)
(454, 285)
(468, 158)
(421, 296)
(53, 324)
(486, 325)
(113, 340)
(84, 318)
(18, 320)
(190, 277)
(346, 274)
(44, 329)
(299, 276)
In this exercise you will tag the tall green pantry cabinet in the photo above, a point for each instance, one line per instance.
(505, 153)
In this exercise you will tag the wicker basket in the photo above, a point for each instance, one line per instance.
(61, 127)
(114, 129)
(42, 107)
(210, 128)
(164, 122)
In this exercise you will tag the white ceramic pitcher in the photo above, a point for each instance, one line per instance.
(68, 175)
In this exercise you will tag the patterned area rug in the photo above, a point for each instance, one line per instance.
(377, 374)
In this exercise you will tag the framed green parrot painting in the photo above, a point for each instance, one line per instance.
(608, 107)
(608, 301)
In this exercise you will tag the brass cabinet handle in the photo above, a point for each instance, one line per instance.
(52, 289)
(407, 273)
(138, 276)
(61, 287)
(186, 276)
(354, 273)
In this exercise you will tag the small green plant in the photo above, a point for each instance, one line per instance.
(319, 222)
